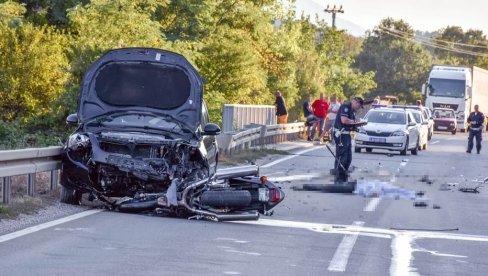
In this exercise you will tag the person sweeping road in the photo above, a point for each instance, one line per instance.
(345, 123)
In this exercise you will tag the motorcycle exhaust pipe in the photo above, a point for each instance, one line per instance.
(251, 170)
(219, 217)
(238, 216)
(138, 206)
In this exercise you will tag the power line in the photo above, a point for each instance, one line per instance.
(438, 40)
(432, 44)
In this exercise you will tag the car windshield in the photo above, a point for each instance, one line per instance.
(443, 114)
(447, 88)
(386, 117)
(135, 120)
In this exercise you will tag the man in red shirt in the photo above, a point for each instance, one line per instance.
(320, 109)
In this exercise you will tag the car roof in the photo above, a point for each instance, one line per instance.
(443, 108)
(398, 110)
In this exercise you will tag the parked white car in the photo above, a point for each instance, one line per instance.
(388, 128)
(423, 126)
(429, 117)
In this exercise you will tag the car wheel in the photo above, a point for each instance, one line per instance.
(70, 196)
(415, 150)
(369, 150)
(453, 132)
(356, 149)
(425, 146)
(404, 151)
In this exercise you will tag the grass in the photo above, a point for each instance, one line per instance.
(20, 203)
(248, 156)
(3, 210)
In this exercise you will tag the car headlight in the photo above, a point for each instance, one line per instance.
(78, 141)
(361, 130)
(399, 133)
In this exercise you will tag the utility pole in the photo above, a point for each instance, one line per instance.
(334, 10)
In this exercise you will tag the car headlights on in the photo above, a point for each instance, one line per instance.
(399, 133)
(78, 141)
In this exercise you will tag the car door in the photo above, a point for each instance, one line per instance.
(413, 130)
(424, 129)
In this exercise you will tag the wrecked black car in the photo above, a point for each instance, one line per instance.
(144, 142)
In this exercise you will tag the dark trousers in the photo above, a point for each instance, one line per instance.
(344, 155)
(474, 134)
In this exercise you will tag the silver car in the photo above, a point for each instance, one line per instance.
(391, 129)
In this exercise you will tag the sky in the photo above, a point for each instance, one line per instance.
(423, 15)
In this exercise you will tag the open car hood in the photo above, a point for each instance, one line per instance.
(142, 79)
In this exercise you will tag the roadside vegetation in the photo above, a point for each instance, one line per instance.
(244, 49)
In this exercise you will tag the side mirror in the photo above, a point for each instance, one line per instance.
(470, 92)
(412, 124)
(72, 119)
(211, 129)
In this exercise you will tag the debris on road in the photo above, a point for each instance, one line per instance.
(475, 186)
(435, 206)
(447, 186)
(426, 179)
(420, 203)
(420, 193)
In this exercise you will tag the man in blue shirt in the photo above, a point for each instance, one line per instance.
(475, 121)
(345, 122)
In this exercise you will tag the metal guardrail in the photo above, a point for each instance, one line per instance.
(34, 160)
(239, 116)
(28, 162)
(230, 142)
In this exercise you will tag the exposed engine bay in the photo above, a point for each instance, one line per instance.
(139, 172)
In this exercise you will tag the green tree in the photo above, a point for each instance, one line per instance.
(463, 48)
(400, 65)
(33, 69)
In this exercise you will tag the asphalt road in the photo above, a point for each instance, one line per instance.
(311, 233)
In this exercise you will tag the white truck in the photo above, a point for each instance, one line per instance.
(459, 88)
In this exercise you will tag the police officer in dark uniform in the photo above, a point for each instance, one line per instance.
(475, 121)
(345, 122)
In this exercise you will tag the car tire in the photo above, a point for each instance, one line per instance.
(70, 196)
(404, 151)
(424, 147)
(369, 150)
(415, 150)
(357, 150)
(453, 132)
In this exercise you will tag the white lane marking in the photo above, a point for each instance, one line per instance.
(434, 142)
(243, 252)
(341, 256)
(293, 155)
(45, 225)
(295, 177)
(231, 240)
(402, 252)
(402, 255)
(373, 203)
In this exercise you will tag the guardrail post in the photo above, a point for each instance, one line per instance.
(54, 179)
(31, 184)
(6, 190)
